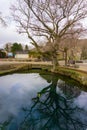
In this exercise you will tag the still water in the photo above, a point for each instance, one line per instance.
(34, 101)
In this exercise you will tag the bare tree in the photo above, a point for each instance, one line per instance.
(26, 48)
(84, 51)
(49, 20)
(2, 21)
(69, 43)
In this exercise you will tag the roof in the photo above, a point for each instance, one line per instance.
(22, 52)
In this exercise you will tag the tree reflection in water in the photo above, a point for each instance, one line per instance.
(52, 110)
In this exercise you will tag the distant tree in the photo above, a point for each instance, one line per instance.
(20, 48)
(35, 54)
(7, 47)
(26, 48)
(84, 52)
(16, 47)
(68, 47)
(2, 54)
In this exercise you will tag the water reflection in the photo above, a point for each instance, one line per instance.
(70, 91)
(52, 110)
(34, 102)
(16, 92)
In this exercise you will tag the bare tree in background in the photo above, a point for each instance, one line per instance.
(84, 51)
(49, 20)
(2, 21)
(69, 43)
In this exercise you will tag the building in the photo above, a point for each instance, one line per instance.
(22, 55)
(3, 53)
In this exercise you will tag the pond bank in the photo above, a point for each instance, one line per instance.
(78, 75)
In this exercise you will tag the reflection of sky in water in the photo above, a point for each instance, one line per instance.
(81, 100)
(16, 91)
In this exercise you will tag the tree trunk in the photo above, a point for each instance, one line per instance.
(66, 58)
(54, 62)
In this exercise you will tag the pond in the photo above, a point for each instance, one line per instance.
(41, 101)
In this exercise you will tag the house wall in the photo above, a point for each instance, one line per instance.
(22, 56)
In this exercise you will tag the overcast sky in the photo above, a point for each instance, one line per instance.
(9, 33)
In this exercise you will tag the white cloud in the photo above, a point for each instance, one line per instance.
(81, 100)
(9, 33)
(17, 92)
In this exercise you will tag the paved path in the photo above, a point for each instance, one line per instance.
(82, 66)
(23, 62)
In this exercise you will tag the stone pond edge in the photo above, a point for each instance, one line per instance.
(78, 75)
